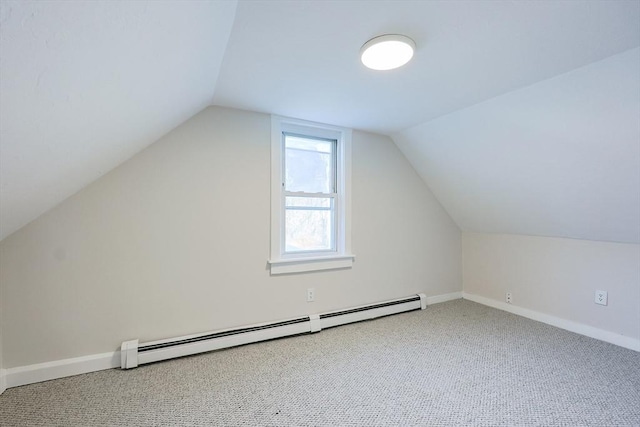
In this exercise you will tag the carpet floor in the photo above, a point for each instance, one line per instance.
(454, 364)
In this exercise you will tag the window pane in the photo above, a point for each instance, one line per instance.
(308, 202)
(309, 164)
(309, 224)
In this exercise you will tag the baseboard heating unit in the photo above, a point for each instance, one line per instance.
(133, 353)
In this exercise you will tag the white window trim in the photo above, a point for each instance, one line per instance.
(300, 262)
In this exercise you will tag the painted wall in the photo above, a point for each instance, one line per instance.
(557, 277)
(176, 240)
(2, 372)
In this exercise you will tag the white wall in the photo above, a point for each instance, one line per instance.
(176, 241)
(2, 371)
(558, 277)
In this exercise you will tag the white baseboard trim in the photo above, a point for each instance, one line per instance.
(569, 325)
(30, 374)
(3, 380)
(61, 368)
(443, 298)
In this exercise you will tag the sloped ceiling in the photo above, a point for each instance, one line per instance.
(558, 158)
(301, 59)
(85, 85)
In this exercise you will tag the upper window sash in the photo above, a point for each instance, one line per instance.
(312, 146)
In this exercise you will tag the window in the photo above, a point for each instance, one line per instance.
(309, 196)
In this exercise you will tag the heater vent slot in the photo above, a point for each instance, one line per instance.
(371, 307)
(148, 347)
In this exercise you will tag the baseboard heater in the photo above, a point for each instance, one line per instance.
(133, 353)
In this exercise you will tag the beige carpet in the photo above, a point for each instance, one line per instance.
(456, 363)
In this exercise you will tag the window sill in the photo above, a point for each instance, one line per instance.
(300, 265)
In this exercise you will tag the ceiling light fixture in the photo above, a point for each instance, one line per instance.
(387, 52)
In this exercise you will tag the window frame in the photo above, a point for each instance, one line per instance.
(281, 262)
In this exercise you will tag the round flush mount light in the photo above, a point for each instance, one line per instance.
(387, 52)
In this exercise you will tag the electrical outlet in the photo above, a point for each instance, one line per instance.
(508, 298)
(311, 294)
(601, 297)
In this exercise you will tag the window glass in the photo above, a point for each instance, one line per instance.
(309, 224)
(309, 164)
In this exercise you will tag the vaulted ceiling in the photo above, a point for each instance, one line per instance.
(84, 85)
(522, 117)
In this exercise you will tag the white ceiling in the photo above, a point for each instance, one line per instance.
(85, 85)
(558, 158)
(301, 59)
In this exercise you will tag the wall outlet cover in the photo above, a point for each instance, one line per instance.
(601, 297)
